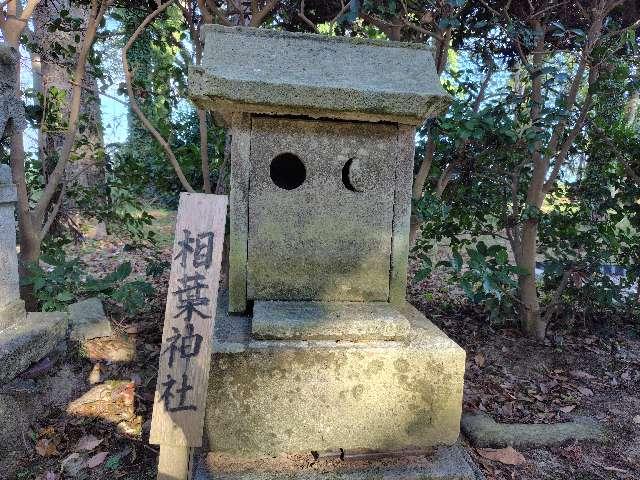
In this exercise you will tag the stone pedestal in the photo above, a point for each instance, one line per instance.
(11, 306)
(272, 396)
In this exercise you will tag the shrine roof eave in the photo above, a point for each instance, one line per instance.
(267, 71)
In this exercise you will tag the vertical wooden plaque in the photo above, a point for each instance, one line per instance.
(187, 338)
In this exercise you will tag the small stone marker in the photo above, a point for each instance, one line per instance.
(12, 308)
(183, 375)
(88, 320)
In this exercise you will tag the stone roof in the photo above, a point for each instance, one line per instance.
(269, 71)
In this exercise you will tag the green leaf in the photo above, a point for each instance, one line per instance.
(64, 296)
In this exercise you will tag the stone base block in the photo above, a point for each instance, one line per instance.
(354, 321)
(446, 463)
(268, 397)
(29, 341)
(12, 313)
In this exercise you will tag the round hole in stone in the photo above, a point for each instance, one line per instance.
(287, 171)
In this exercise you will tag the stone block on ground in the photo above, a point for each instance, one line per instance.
(88, 320)
(29, 341)
(484, 432)
(446, 463)
(267, 397)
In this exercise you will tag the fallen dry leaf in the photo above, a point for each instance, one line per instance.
(585, 391)
(46, 448)
(87, 443)
(567, 409)
(480, 359)
(97, 459)
(508, 456)
(615, 469)
(72, 465)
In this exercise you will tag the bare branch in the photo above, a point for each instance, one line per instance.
(222, 18)
(566, 145)
(423, 31)
(28, 9)
(258, 17)
(304, 18)
(54, 212)
(134, 104)
(555, 299)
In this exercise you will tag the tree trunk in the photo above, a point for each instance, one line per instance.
(531, 320)
(632, 108)
(87, 166)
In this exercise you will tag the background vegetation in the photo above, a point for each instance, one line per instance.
(526, 188)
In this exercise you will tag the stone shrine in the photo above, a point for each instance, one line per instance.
(316, 347)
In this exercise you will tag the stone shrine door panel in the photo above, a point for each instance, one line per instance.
(321, 198)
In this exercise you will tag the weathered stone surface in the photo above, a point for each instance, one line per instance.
(484, 432)
(267, 397)
(364, 84)
(401, 215)
(23, 401)
(29, 341)
(348, 321)
(12, 313)
(446, 463)
(239, 210)
(12, 117)
(88, 320)
(11, 307)
(321, 241)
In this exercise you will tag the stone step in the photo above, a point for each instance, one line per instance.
(28, 341)
(446, 463)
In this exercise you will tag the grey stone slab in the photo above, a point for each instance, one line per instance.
(88, 320)
(446, 463)
(12, 313)
(239, 211)
(347, 321)
(401, 215)
(261, 70)
(29, 341)
(11, 307)
(321, 240)
(271, 396)
(484, 432)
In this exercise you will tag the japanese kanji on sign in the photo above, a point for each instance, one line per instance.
(183, 374)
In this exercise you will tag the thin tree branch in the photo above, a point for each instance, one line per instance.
(304, 18)
(54, 212)
(566, 145)
(258, 17)
(134, 104)
(28, 10)
(555, 299)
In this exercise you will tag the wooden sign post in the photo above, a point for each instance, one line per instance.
(187, 338)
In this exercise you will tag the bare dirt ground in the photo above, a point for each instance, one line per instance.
(591, 370)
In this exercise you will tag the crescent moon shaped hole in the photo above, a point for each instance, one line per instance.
(346, 176)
